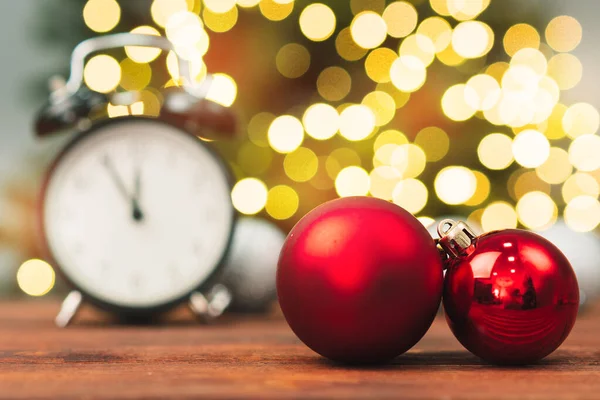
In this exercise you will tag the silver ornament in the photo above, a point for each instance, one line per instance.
(583, 251)
(251, 265)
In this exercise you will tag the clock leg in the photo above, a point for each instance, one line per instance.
(68, 309)
(212, 305)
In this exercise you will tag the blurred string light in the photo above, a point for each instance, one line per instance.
(101, 15)
(292, 60)
(286, 134)
(317, 22)
(249, 196)
(282, 202)
(352, 181)
(35, 277)
(400, 18)
(368, 29)
(102, 73)
(222, 90)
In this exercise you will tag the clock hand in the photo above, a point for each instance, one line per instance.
(137, 213)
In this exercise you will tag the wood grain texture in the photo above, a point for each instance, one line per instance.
(242, 357)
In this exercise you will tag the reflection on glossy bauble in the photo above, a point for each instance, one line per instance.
(513, 300)
(250, 266)
(583, 251)
(359, 280)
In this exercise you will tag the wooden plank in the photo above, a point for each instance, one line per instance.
(261, 358)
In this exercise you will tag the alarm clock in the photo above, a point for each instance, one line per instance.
(135, 212)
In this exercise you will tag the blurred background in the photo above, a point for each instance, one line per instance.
(483, 109)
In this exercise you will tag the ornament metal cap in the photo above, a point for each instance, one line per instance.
(456, 238)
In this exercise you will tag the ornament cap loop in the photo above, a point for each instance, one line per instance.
(456, 238)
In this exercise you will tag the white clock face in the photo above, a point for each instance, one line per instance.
(137, 214)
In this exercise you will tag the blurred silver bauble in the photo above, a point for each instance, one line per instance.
(250, 267)
(583, 251)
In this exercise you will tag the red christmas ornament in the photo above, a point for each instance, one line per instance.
(510, 297)
(359, 280)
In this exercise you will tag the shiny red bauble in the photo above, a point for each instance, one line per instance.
(359, 280)
(511, 297)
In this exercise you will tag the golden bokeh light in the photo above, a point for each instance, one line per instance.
(134, 76)
(531, 58)
(455, 185)
(440, 7)
(339, 159)
(580, 119)
(525, 182)
(352, 181)
(390, 136)
(347, 48)
(472, 39)
(582, 214)
(536, 210)
(282, 202)
(35, 277)
(497, 70)
(434, 142)
(321, 121)
(219, 6)
(274, 11)
(161, 10)
(249, 196)
(409, 160)
(426, 221)
(101, 15)
(557, 167)
(258, 128)
(102, 73)
(220, 22)
(463, 10)
(482, 92)
(419, 46)
(368, 29)
(383, 179)
(334, 83)
(401, 19)
(357, 122)
(322, 180)
(248, 3)
(520, 36)
(410, 194)
(495, 151)
(222, 90)
(383, 155)
(408, 73)
(584, 151)
(143, 54)
(152, 101)
(317, 22)
(292, 60)
(197, 68)
(382, 105)
(285, 134)
(454, 103)
(450, 57)
(358, 6)
(254, 160)
(378, 64)
(301, 164)
(184, 29)
(566, 70)
(552, 127)
(530, 148)
(563, 33)
(498, 215)
(400, 97)
(580, 184)
(482, 190)
(438, 30)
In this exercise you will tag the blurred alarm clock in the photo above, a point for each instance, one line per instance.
(135, 212)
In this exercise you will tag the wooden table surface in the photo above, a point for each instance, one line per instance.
(241, 357)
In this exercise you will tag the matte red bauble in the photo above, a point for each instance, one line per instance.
(510, 297)
(359, 280)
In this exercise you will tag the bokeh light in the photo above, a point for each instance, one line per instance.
(383, 179)
(285, 134)
(563, 33)
(161, 10)
(482, 190)
(582, 213)
(352, 181)
(495, 151)
(409, 160)
(258, 128)
(275, 11)
(368, 29)
(317, 22)
(410, 194)
(530, 148)
(472, 39)
(134, 76)
(292, 60)
(339, 159)
(382, 106)
(223, 90)
(101, 15)
(358, 6)
(219, 6)
(347, 48)
(301, 164)
(321, 121)
(282, 202)
(482, 92)
(580, 184)
(434, 142)
(498, 215)
(400, 18)
(408, 73)
(566, 70)
(454, 103)
(249, 196)
(357, 122)
(581, 119)
(102, 73)
(438, 30)
(584, 153)
(143, 54)
(536, 210)
(520, 36)
(557, 167)
(35, 277)
(378, 64)
(220, 22)
(419, 46)
(334, 83)
(455, 185)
